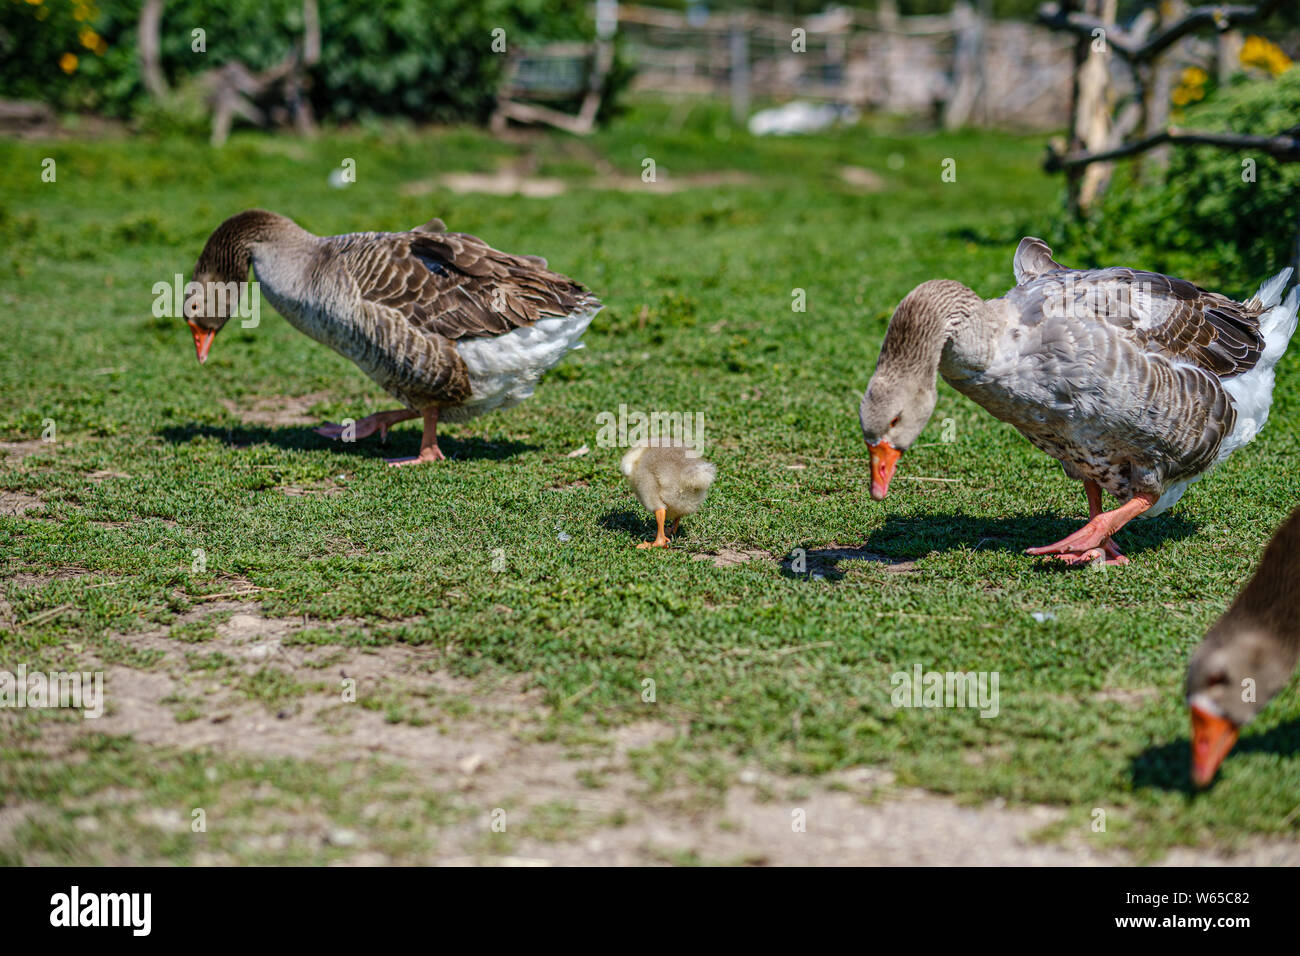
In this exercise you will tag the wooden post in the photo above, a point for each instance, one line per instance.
(298, 82)
(1073, 178)
(1092, 122)
(147, 34)
(1227, 54)
(968, 70)
(1164, 73)
(739, 68)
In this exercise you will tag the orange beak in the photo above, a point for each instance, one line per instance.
(1212, 738)
(884, 458)
(202, 341)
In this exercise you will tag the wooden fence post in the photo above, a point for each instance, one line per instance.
(739, 68)
(147, 34)
(968, 70)
(1092, 122)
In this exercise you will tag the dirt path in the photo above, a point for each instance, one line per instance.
(486, 758)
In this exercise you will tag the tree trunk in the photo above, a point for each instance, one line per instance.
(738, 45)
(147, 44)
(1164, 73)
(968, 70)
(1074, 178)
(1228, 54)
(1092, 119)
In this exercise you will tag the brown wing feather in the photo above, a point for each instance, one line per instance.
(455, 284)
(1184, 321)
(1170, 315)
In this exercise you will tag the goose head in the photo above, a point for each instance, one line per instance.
(893, 412)
(901, 395)
(1228, 683)
(1247, 656)
(220, 275)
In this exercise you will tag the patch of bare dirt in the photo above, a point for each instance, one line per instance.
(665, 182)
(728, 557)
(1129, 697)
(325, 488)
(774, 822)
(570, 485)
(481, 751)
(27, 579)
(516, 182)
(15, 504)
(104, 475)
(504, 182)
(12, 451)
(862, 178)
(276, 409)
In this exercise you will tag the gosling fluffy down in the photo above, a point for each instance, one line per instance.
(671, 480)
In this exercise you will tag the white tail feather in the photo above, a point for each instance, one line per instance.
(1270, 293)
(1252, 391)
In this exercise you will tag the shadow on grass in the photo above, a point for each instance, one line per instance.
(633, 523)
(823, 564)
(1166, 766)
(909, 538)
(901, 541)
(302, 438)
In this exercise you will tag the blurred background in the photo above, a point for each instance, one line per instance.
(1092, 76)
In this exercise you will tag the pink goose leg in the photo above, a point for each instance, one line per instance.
(378, 422)
(1093, 539)
(429, 450)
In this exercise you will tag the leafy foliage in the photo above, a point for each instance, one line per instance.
(1219, 217)
(425, 59)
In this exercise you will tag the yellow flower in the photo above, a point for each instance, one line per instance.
(1260, 52)
(1180, 96)
(1194, 76)
(68, 62)
(89, 38)
(36, 3)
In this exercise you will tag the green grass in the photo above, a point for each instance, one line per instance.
(698, 286)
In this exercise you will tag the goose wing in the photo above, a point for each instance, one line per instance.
(454, 284)
(1033, 258)
(1161, 314)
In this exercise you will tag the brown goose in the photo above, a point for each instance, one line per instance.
(1248, 655)
(1138, 383)
(444, 323)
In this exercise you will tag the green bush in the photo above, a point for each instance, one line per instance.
(424, 59)
(1202, 217)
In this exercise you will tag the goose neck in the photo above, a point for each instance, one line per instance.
(939, 327)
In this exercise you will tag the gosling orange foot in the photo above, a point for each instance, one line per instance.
(661, 539)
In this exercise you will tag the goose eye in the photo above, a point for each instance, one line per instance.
(894, 423)
(1217, 680)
